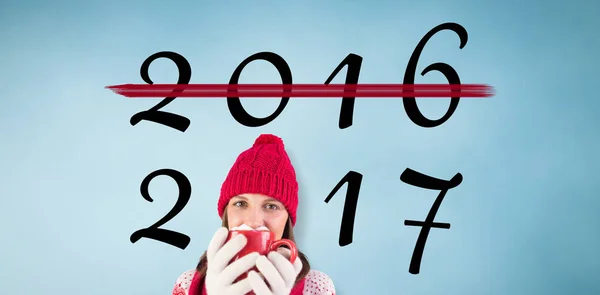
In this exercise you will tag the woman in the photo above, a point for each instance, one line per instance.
(260, 191)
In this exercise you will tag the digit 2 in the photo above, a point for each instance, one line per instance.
(154, 114)
(154, 231)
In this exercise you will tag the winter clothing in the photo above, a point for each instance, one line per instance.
(315, 283)
(266, 169)
(278, 272)
(220, 275)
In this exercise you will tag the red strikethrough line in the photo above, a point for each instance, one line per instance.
(303, 90)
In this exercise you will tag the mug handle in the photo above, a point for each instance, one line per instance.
(290, 245)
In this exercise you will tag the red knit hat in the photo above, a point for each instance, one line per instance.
(266, 169)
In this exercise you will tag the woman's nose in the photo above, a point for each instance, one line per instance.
(254, 219)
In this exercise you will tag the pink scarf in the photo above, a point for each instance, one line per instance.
(197, 281)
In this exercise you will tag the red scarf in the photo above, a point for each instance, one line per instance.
(197, 281)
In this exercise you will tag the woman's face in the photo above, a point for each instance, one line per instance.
(257, 210)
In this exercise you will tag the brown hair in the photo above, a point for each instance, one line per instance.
(288, 233)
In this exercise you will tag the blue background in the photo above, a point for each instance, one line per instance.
(524, 220)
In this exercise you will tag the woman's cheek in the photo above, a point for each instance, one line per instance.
(233, 219)
(279, 225)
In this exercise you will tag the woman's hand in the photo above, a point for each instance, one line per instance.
(219, 275)
(277, 270)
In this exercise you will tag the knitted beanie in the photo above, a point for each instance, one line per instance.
(266, 169)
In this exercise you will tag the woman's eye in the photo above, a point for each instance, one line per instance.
(238, 204)
(272, 207)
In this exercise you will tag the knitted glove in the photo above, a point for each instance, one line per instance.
(277, 270)
(220, 276)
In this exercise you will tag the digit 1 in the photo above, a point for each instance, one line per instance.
(353, 62)
(354, 180)
(154, 231)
